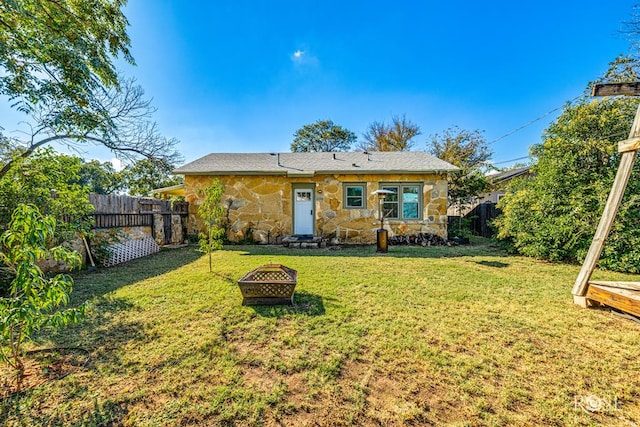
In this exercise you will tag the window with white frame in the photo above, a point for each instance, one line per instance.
(355, 195)
(404, 203)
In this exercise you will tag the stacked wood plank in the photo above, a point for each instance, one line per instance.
(421, 239)
(624, 296)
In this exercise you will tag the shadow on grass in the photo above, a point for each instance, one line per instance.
(104, 333)
(104, 336)
(304, 303)
(90, 284)
(496, 264)
(102, 414)
(486, 248)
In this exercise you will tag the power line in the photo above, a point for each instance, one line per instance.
(529, 157)
(612, 135)
(529, 123)
(512, 160)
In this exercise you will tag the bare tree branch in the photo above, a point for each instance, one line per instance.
(118, 118)
(396, 136)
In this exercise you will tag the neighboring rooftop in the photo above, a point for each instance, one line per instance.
(309, 164)
(509, 174)
(174, 190)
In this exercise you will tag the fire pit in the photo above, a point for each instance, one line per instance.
(269, 284)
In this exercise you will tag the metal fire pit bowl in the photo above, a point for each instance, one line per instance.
(270, 284)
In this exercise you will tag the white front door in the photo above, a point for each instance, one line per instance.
(303, 211)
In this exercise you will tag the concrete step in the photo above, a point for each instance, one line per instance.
(303, 242)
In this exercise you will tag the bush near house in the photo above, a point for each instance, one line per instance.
(554, 215)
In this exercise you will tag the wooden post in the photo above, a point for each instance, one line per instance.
(614, 89)
(627, 160)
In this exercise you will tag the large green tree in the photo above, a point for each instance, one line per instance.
(100, 177)
(554, 215)
(60, 51)
(469, 151)
(48, 180)
(396, 136)
(147, 174)
(322, 135)
(56, 66)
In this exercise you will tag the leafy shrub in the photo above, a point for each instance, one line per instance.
(34, 299)
(554, 215)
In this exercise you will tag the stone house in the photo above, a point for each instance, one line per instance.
(269, 196)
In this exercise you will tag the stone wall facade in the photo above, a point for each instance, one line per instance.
(177, 227)
(50, 265)
(260, 207)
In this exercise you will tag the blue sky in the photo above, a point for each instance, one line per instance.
(243, 76)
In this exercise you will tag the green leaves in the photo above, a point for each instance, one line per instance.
(147, 174)
(211, 213)
(469, 151)
(33, 299)
(322, 135)
(554, 216)
(46, 179)
(100, 178)
(60, 50)
(56, 66)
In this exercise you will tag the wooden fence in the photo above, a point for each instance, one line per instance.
(116, 220)
(112, 211)
(478, 219)
(116, 204)
(481, 217)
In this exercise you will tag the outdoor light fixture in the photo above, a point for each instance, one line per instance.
(382, 234)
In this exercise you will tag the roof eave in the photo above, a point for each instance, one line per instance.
(322, 172)
(356, 171)
(220, 173)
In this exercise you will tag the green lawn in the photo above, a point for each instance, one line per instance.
(446, 336)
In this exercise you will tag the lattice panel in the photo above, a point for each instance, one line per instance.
(132, 249)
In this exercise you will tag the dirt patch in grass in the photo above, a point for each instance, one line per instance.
(407, 393)
(256, 378)
(41, 366)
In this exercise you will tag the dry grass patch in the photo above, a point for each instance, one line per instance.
(456, 336)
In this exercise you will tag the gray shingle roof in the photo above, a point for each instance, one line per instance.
(510, 174)
(411, 162)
